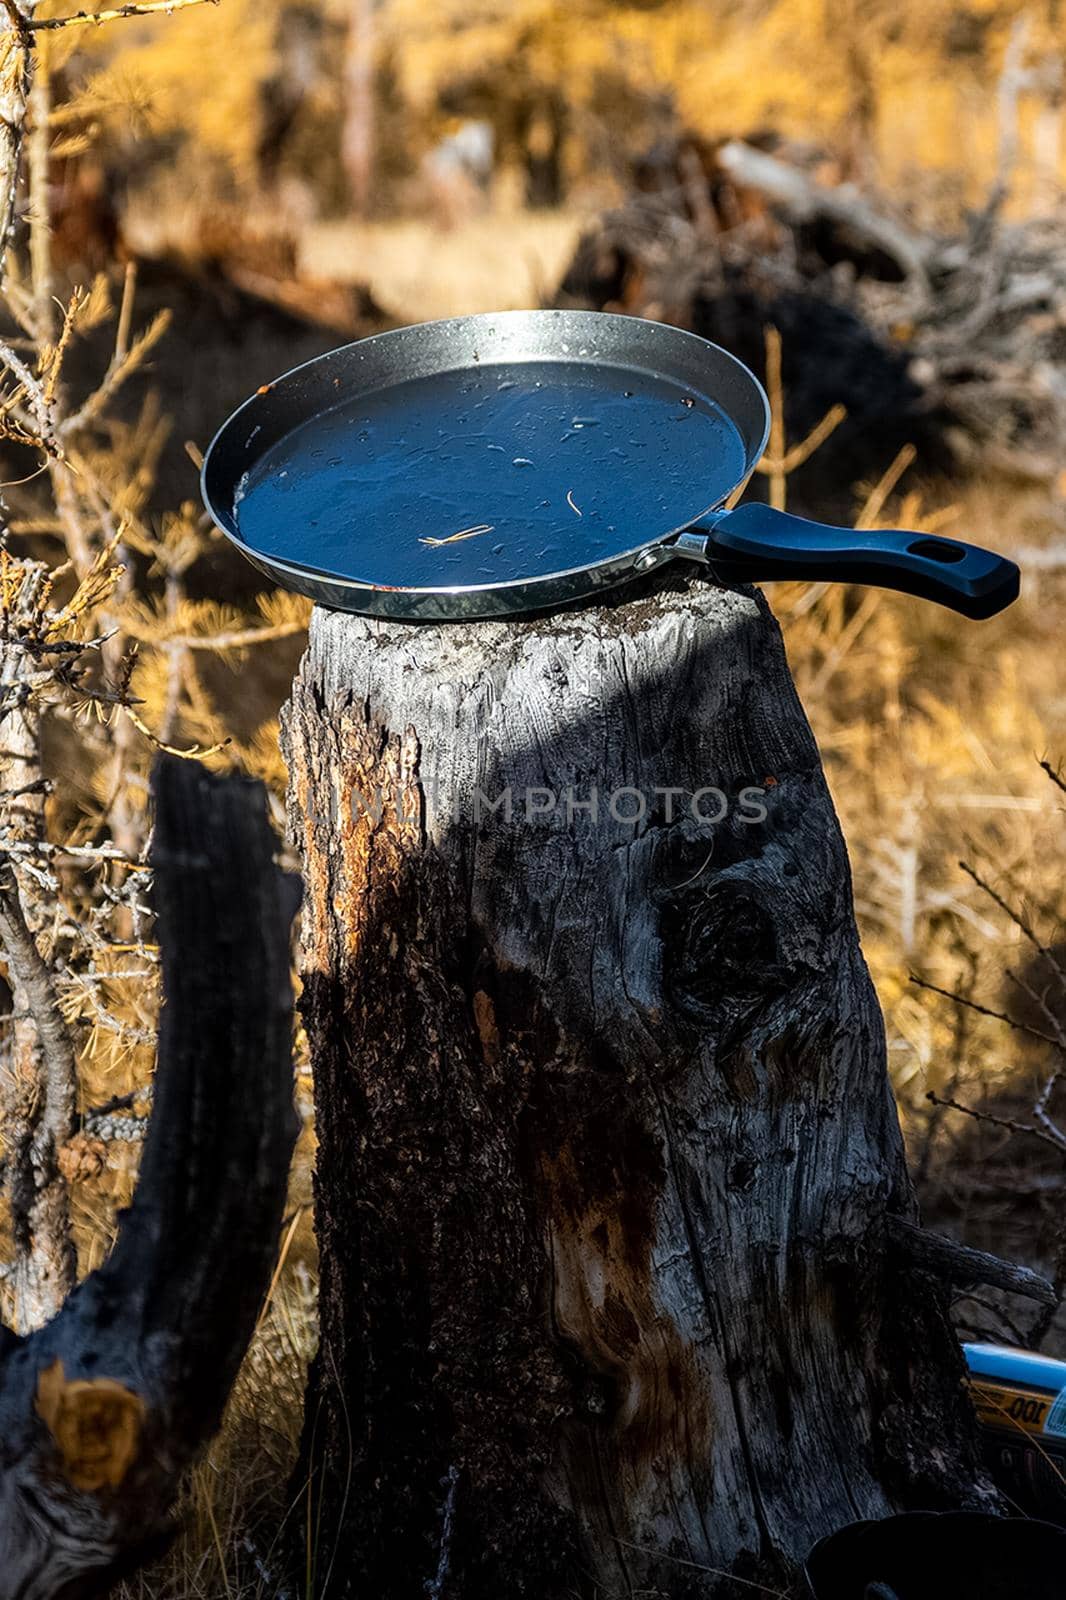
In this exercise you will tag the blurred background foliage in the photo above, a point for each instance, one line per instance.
(913, 81)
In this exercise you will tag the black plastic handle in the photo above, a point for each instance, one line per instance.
(755, 544)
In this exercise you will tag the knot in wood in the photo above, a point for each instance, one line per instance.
(720, 949)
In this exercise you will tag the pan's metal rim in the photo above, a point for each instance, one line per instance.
(618, 561)
(622, 561)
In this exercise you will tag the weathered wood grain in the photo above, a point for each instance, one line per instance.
(606, 1139)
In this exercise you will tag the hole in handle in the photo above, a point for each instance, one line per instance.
(937, 550)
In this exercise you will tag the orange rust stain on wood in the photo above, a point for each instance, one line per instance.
(602, 1233)
(379, 821)
(354, 846)
(96, 1424)
(485, 1023)
(356, 782)
(315, 862)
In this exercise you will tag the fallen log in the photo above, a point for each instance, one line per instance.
(803, 200)
(102, 1409)
(959, 337)
(606, 1141)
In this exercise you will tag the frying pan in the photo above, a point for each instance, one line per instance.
(491, 465)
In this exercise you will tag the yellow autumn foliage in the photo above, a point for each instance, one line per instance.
(199, 77)
(795, 65)
(920, 75)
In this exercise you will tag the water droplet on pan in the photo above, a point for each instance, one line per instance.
(368, 481)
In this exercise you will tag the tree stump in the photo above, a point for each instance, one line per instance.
(606, 1140)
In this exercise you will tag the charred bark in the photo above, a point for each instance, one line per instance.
(103, 1408)
(606, 1143)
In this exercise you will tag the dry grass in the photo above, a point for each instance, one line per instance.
(932, 731)
(235, 1511)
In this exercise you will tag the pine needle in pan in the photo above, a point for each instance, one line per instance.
(464, 533)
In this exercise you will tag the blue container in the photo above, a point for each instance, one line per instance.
(1020, 1400)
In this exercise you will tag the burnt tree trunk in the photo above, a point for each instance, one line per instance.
(103, 1408)
(607, 1148)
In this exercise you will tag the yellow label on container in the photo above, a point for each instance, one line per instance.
(1004, 1405)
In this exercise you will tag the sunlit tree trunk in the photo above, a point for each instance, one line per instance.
(852, 28)
(357, 134)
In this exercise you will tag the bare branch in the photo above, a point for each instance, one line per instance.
(15, 80)
(984, 1011)
(37, 398)
(1055, 775)
(1056, 1140)
(95, 18)
(961, 1265)
(1019, 921)
(33, 980)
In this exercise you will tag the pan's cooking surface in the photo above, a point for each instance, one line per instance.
(537, 466)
